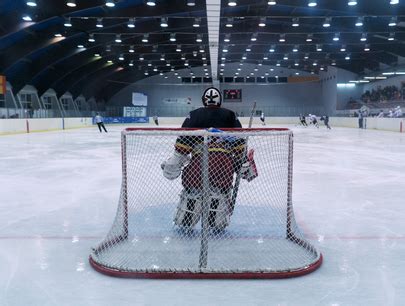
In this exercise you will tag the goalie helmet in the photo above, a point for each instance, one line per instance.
(212, 97)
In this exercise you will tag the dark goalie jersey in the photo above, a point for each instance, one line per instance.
(224, 156)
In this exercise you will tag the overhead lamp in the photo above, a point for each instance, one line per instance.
(272, 48)
(319, 48)
(91, 38)
(80, 46)
(172, 37)
(227, 38)
(141, 57)
(167, 63)
(110, 62)
(282, 38)
(309, 37)
(97, 55)
(229, 23)
(367, 47)
(131, 63)
(232, 3)
(99, 23)
(393, 2)
(199, 38)
(225, 49)
(67, 22)
(244, 57)
(108, 48)
(131, 23)
(285, 57)
(315, 63)
(336, 37)
(31, 3)
(121, 57)
(118, 38)
(347, 57)
(326, 23)
(146, 73)
(295, 22)
(58, 35)
(186, 63)
(28, 18)
(71, 3)
(249, 48)
(196, 23)
(295, 49)
(363, 37)
(131, 49)
(183, 57)
(278, 64)
(162, 57)
(265, 57)
(343, 48)
(190, 2)
(312, 3)
(359, 22)
(333, 63)
(262, 22)
(151, 3)
(271, 2)
(391, 37)
(254, 37)
(306, 56)
(178, 48)
(149, 64)
(393, 22)
(296, 63)
(145, 38)
(163, 22)
(351, 3)
(110, 3)
(202, 49)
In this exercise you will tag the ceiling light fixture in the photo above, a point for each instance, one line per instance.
(172, 37)
(99, 23)
(67, 22)
(352, 3)
(151, 3)
(131, 23)
(91, 38)
(28, 18)
(196, 23)
(359, 22)
(190, 2)
(163, 22)
(327, 22)
(109, 3)
(118, 38)
(262, 22)
(71, 3)
(295, 22)
(232, 3)
(31, 3)
(229, 23)
(312, 3)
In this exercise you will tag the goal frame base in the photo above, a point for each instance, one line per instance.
(205, 275)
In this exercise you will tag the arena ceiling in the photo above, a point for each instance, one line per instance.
(128, 40)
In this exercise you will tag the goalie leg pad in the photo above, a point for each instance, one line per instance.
(219, 214)
(189, 209)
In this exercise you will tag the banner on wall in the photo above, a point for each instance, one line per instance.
(177, 100)
(139, 99)
(124, 120)
(2, 85)
(134, 111)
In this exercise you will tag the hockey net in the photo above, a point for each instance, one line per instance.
(206, 223)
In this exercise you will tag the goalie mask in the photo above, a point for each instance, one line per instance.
(212, 96)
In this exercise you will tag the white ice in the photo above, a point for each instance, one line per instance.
(59, 193)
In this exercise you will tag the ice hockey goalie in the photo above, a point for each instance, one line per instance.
(226, 157)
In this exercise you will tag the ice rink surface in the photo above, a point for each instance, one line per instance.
(59, 193)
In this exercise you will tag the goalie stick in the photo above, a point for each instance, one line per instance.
(239, 175)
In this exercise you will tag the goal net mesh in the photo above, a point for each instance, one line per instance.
(215, 219)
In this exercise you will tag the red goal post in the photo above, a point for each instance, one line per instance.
(260, 239)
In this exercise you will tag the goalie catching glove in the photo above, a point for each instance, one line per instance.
(248, 169)
(173, 165)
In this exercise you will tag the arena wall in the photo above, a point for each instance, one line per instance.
(14, 126)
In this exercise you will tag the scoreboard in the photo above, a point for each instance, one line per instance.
(233, 95)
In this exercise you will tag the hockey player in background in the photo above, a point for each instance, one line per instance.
(302, 120)
(226, 155)
(100, 122)
(325, 120)
(262, 118)
(380, 114)
(156, 119)
(313, 120)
